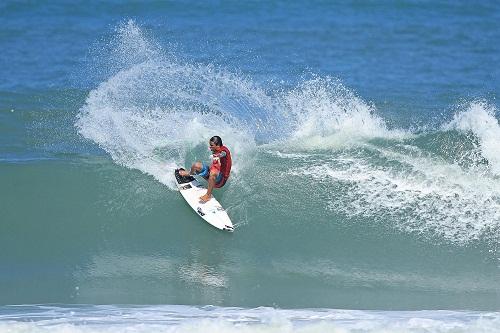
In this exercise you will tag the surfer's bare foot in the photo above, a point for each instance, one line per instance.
(183, 173)
(205, 198)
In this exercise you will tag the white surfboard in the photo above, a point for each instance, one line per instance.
(211, 211)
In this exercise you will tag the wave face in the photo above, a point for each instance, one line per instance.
(346, 198)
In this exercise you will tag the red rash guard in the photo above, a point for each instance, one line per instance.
(223, 165)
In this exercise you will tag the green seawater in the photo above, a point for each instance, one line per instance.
(89, 231)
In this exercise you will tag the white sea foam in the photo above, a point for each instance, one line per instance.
(325, 114)
(416, 194)
(187, 319)
(416, 190)
(479, 118)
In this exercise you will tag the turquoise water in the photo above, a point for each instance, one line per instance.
(365, 142)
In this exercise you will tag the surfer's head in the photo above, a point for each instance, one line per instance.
(216, 140)
(215, 143)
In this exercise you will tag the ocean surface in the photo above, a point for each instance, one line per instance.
(365, 189)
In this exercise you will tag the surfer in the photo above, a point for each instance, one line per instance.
(218, 172)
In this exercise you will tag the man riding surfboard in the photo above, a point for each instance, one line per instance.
(218, 172)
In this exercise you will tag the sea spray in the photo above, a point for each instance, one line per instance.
(325, 114)
(149, 114)
(479, 119)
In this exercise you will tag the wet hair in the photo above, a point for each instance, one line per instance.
(216, 140)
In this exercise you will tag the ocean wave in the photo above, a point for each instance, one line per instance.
(156, 113)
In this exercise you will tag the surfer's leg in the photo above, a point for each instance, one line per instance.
(211, 183)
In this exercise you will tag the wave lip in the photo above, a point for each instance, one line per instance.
(479, 119)
(325, 114)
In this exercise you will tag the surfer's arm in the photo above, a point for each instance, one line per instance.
(218, 156)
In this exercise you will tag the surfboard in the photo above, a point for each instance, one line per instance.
(211, 211)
